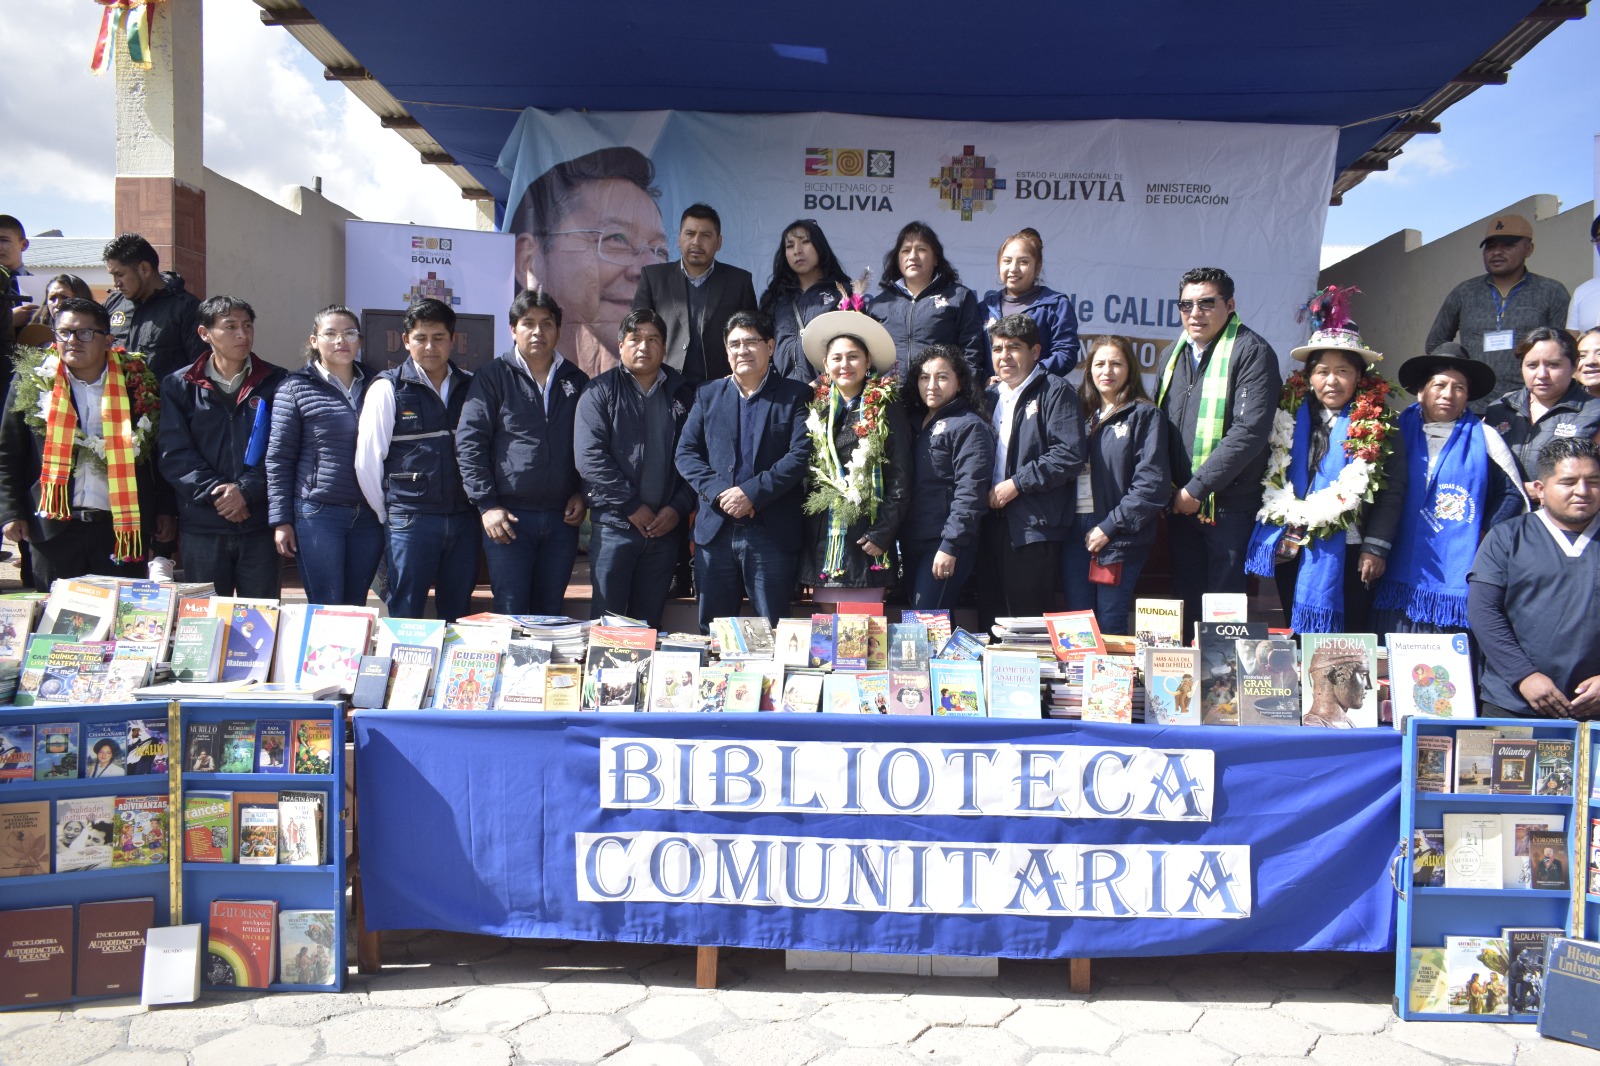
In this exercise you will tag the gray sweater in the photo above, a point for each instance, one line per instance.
(1469, 310)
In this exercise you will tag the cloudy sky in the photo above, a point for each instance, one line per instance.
(269, 122)
(273, 121)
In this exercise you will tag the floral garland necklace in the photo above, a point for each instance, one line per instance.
(35, 378)
(849, 490)
(1368, 442)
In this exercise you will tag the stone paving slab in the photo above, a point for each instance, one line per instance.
(553, 1003)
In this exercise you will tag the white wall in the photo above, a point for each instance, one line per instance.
(1403, 281)
(286, 258)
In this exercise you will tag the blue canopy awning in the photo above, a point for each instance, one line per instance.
(465, 70)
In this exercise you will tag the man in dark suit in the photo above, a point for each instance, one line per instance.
(695, 296)
(744, 452)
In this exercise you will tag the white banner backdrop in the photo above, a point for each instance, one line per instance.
(1124, 207)
(389, 266)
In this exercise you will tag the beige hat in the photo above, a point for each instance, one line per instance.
(1338, 340)
(821, 331)
(1506, 226)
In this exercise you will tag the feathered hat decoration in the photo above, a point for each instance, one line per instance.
(1328, 309)
(856, 298)
(850, 318)
(1331, 327)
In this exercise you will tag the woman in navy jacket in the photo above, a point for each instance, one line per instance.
(923, 302)
(313, 500)
(807, 281)
(1124, 487)
(1021, 261)
(1039, 451)
(952, 456)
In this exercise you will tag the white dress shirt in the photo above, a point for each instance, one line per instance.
(1004, 414)
(374, 432)
(89, 486)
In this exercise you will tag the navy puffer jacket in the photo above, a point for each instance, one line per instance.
(312, 452)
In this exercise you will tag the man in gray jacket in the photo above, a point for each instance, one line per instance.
(629, 419)
(1494, 311)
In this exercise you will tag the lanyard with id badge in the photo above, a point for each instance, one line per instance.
(1498, 339)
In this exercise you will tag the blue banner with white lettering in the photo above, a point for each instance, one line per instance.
(913, 835)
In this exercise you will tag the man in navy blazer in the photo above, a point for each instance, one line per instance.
(695, 296)
(744, 451)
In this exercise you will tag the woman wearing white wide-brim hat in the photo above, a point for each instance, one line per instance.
(858, 484)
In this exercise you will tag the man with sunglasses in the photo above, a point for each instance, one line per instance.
(1218, 389)
(696, 296)
(1493, 312)
(86, 508)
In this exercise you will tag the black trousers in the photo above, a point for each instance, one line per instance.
(79, 548)
(1209, 557)
(1014, 582)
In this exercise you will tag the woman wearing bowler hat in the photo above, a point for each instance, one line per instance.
(859, 480)
(1461, 479)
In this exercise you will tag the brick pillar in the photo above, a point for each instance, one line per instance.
(160, 188)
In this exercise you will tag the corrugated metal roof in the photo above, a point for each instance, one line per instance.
(52, 255)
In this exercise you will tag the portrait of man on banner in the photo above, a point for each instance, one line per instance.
(585, 228)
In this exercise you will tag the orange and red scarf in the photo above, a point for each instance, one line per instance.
(116, 428)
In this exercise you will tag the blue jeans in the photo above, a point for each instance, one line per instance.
(530, 575)
(1206, 557)
(928, 593)
(340, 548)
(239, 564)
(437, 551)
(632, 573)
(744, 560)
(1110, 603)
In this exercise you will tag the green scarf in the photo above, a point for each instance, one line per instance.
(1210, 423)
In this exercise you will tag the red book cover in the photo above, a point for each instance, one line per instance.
(1075, 634)
(35, 956)
(860, 607)
(111, 945)
(241, 943)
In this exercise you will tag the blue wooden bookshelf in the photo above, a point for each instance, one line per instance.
(294, 887)
(1427, 915)
(1589, 860)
